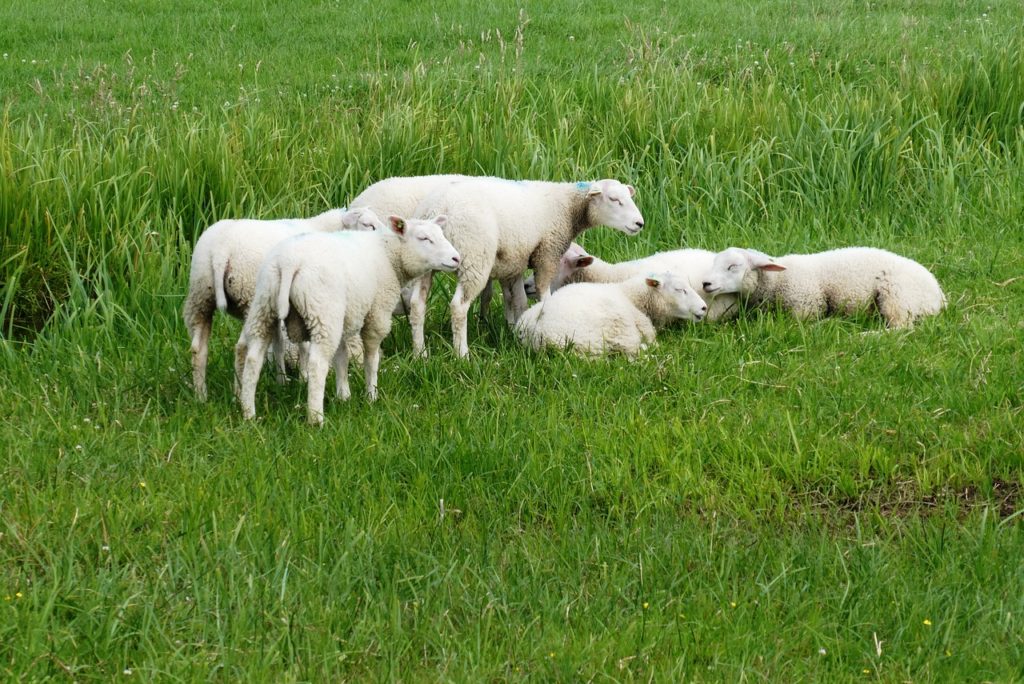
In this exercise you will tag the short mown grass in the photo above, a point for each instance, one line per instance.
(762, 499)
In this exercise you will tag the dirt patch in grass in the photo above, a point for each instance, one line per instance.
(906, 499)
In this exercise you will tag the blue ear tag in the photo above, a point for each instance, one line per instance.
(583, 186)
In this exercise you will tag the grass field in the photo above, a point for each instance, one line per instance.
(760, 500)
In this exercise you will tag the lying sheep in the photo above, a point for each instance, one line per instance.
(330, 288)
(501, 227)
(577, 266)
(401, 195)
(838, 281)
(225, 262)
(596, 318)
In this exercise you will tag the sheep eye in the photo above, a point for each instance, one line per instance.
(425, 239)
(733, 267)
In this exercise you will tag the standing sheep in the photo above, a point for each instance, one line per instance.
(838, 281)
(401, 195)
(333, 287)
(610, 317)
(225, 262)
(501, 227)
(579, 267)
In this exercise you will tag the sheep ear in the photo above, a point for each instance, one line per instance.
(762, 261)
(594, 189)
(441, 220)
(653, 281)
(632, 190)
(353, 216)
(584, 261)
(397, 224)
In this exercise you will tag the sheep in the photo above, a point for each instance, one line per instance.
(841, 280)
(500, 227)
(225, 262)
(330, 288)
(401, 195)
(579, 266)
(596, 318)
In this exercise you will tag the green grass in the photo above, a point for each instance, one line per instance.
(727, 507)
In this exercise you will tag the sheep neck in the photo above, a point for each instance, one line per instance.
(576, 208)
(650, 302)
(768, 286)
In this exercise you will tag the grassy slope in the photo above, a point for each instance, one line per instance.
(832, 482)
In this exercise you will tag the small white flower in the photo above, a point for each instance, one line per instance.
(86, 420)
(822, 651)
(105, 547)
(78, 447)
(127, 670)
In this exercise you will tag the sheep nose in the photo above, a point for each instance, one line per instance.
(706, 284)
(455, 259)
(639, 224)
(704, 308)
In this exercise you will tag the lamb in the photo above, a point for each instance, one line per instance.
(596, 318)
(838, 281)
(401, 195)
(225, 262)
(329, 288)
(501, 227)
(578, 266)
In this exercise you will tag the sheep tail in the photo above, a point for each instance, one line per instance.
(284, 291)
(220, 270)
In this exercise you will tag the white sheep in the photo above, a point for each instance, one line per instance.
(329, 288)
(842, 281)
(401, 195)
(596, 318)
(501, 227)
(225, 261)
(577, 266)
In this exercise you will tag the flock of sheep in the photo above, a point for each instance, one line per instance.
(316, 291)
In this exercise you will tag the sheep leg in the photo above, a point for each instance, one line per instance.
(470, 285)
(250, 353)
(514, 294)
(281, 377)
(304, 361)
(200, 330)
(545, 267)
(371, 365)
(373, 333)
(341, 388)
(485, 300)
(418, 313)
(318, 365)
(894, 315)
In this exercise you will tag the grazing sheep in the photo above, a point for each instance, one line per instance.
(838, 281)
(328, 288)
(501, 227)
(225, 262)
(610, 317)
(580, 267)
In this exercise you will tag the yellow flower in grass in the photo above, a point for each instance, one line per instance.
(927, 622)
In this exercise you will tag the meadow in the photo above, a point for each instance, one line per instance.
(760, 500)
